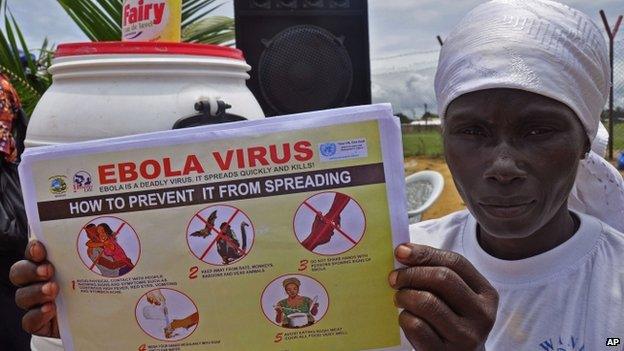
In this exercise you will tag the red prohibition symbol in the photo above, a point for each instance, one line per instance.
(220, 235)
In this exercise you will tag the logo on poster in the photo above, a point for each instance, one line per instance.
(58, 184)
(82, 182)
(328, 149)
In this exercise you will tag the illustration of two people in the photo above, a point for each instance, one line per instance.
(295, 306)
(105, 252)
(156, 298)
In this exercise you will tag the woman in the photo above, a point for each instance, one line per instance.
(294, 304)
(520, 87)
(13, 226)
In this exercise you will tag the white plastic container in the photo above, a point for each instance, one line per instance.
(110, 89)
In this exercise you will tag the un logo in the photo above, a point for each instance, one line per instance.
(328, 149)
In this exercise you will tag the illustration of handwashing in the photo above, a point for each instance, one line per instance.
(167, 314)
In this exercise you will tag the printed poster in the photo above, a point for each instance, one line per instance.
(265, 235)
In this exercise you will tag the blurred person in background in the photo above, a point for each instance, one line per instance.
(13, 226)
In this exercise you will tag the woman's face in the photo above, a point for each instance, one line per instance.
(292, 290)
(92, 233)
(513, 156)
(102, 234)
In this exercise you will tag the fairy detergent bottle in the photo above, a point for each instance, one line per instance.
(151, 20)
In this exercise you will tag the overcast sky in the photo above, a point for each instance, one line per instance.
(402, 33)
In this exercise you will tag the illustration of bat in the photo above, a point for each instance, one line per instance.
(207, 230)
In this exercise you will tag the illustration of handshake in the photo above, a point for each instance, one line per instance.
(324, 225)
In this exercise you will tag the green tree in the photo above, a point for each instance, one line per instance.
(618, 115)
(404, 119)
(26, 68)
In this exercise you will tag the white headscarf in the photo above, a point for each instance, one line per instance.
(550, 49)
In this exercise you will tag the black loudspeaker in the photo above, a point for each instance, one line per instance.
(305, 55)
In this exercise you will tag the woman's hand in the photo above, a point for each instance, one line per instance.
(185, 323)
(314, 309)
(279, 311)
(448, 304)
(155, 297)
(37, 292)
(92, 244)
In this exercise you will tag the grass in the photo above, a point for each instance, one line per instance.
(618, 137)
(427, 143)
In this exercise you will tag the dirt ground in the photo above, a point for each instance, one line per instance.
(449, 201)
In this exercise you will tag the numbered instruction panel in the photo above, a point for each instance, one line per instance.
(266, 235)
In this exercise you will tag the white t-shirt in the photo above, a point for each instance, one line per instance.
(45, 344)
(570, 298)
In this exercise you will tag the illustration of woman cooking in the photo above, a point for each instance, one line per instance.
(106, 239)
(295, 311)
